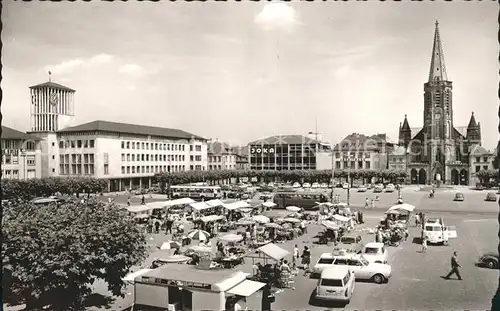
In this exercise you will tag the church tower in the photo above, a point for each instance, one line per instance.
(405, 133)
(473, 132)
(52, 109)
(438, 112)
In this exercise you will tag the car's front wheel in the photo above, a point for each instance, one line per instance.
(378, 278)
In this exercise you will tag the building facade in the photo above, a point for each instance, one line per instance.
(285, 152)
(397, 159)
(127, 155)
(221, 156)
(480, 160)
(439, 151)
(21, 155)
(357, 152)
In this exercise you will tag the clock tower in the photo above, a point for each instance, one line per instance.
(438, 113)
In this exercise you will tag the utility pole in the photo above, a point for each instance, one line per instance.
(333, 171)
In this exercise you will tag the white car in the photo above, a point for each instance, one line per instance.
(323, 186)
(315, 185)
(296, 185)
(375, 252)
(346, 185)
(362, 189)
(390, 188)
(306, 185)
(363, 269)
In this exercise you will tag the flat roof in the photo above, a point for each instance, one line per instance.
(190, 274)
(335, 272)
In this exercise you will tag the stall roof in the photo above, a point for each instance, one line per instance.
(189, 273)
(246, 288)
(139, 209)
(215, 203)
(157, 205)
(273, 251)
(131, 276)
(329, 204)
(329, 224)
(236, 205)
(341, 218)
(181, 201)
(200, 206)
(212, 218)
(405, 207)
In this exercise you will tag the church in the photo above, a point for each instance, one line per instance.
(439, 151)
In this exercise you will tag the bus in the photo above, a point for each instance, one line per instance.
(196, 192)
(305, 199)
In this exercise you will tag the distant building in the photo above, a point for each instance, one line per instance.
(398, 159)
(285, 152)
(21, 155)
(358, 152)
(480, 160)
(221, 156)
(127, 155)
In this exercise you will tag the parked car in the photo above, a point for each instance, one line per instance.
(336, 284)
(350, 243)
(315, 185)
(390, 188)
(489, 260)
(378, 189)
(363, 269)
(345, 185)
(296, 185)
(491, 197)
(323, 186)
(362, 189)
(306, 185)
(459, 197)
(375, 252)
(479, 187)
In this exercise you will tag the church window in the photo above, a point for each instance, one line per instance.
(478, 168)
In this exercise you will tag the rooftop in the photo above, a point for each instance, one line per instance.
(51, 85)
(285, 140)
(125, 128)
(189, 273)
(479, 150)
(10, 133)
(399, 151)
(218, 148)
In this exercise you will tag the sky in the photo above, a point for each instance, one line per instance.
(238, 72)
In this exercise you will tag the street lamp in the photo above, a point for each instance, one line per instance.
(23, 155)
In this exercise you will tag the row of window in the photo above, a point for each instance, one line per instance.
(79, 169)
(485, 167)
(88, 158)
(158, 146)
(14, 174)
(219, 158)
(478, 159)
(352, 165)
(158, 157)
(219, 167)
(80, 143)
(11, 159)
(150, 169)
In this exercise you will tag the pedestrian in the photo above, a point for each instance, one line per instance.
(295, 257)
(454, 267)
(143, 200)
(366, 203)
(372, 204)
(417, 219)
(157, 226)
(306, 259)
(109, 200)
(424, 245)
(128, 201)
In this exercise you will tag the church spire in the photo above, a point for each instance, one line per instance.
(406, 125)
(438, 69)
(472, 122)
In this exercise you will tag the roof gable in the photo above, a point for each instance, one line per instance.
(52, 85)
(125, 128)
(479, 150)
(10, 133)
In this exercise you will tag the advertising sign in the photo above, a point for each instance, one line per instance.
(261, 150)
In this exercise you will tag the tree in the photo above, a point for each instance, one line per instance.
(54, 253)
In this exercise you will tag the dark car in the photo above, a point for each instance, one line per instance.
(479, 187)
(491, 196)
(489, 260)
(459, 197)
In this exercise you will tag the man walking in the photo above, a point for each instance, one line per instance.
(424, 244)
(454, 267)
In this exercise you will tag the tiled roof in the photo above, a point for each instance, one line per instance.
(356, 140)
(479, 150)
(285, 140)
(10, 133)
(125, 128)
(52, 85)
(217, 148)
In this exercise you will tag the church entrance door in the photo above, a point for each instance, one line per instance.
(464, 177)
(422, 176)
(414, 176)
(455, 178)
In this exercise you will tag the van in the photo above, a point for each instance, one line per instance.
(336, 284)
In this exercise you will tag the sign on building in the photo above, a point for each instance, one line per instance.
(261, 150)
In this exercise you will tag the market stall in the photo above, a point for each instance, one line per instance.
(266, 272)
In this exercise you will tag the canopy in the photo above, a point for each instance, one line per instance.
(170, 245)
(141, 216)
(246, 288)
(329, 224)
(175, 258)
(341, 218)
(157, 205)
(236, 205)
(293, 208)
(131, 276)
(139, 209)
(181, 201)
(212, 218)
(44, 201)
(340, 204)
(269, 204)
(215, 203)
(199, 235)
(272, 225)
(273, 251)
(200, 249)
(261, 219)
(405, 207)
(292, 220)
(199, 206)
(325, 204)
(231, 237)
